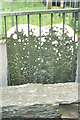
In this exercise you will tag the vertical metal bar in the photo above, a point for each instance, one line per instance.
(5, 26)
(51, 46)
(40, 34)
(28, 25)
(73, 61)
(40, 43)
(18, 50)
(28, 19)
(63, 25)
(51, 25)
(51, 19)
(29, 48)
(63, 47)
(16, 23)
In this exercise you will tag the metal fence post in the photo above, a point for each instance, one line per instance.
(30, 74)
(79, 45)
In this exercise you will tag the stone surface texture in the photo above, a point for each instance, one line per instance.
(37, 100)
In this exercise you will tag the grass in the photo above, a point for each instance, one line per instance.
(23, 6)
(34, 19)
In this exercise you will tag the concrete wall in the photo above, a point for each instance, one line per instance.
(3, 63)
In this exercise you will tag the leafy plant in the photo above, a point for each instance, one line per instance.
(48, 60)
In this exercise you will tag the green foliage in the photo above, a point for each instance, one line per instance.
(33, 61)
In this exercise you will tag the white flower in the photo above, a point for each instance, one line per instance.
(15, 36)
(35, 45)
(19, 40)
(54, 42)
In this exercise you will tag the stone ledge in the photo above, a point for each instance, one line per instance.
(37, 100)
(32, 111)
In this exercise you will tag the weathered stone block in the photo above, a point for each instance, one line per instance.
(37, 100)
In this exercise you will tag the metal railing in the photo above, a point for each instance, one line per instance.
(71, 10)
(30, 71)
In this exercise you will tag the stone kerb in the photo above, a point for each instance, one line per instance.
(37, 100)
